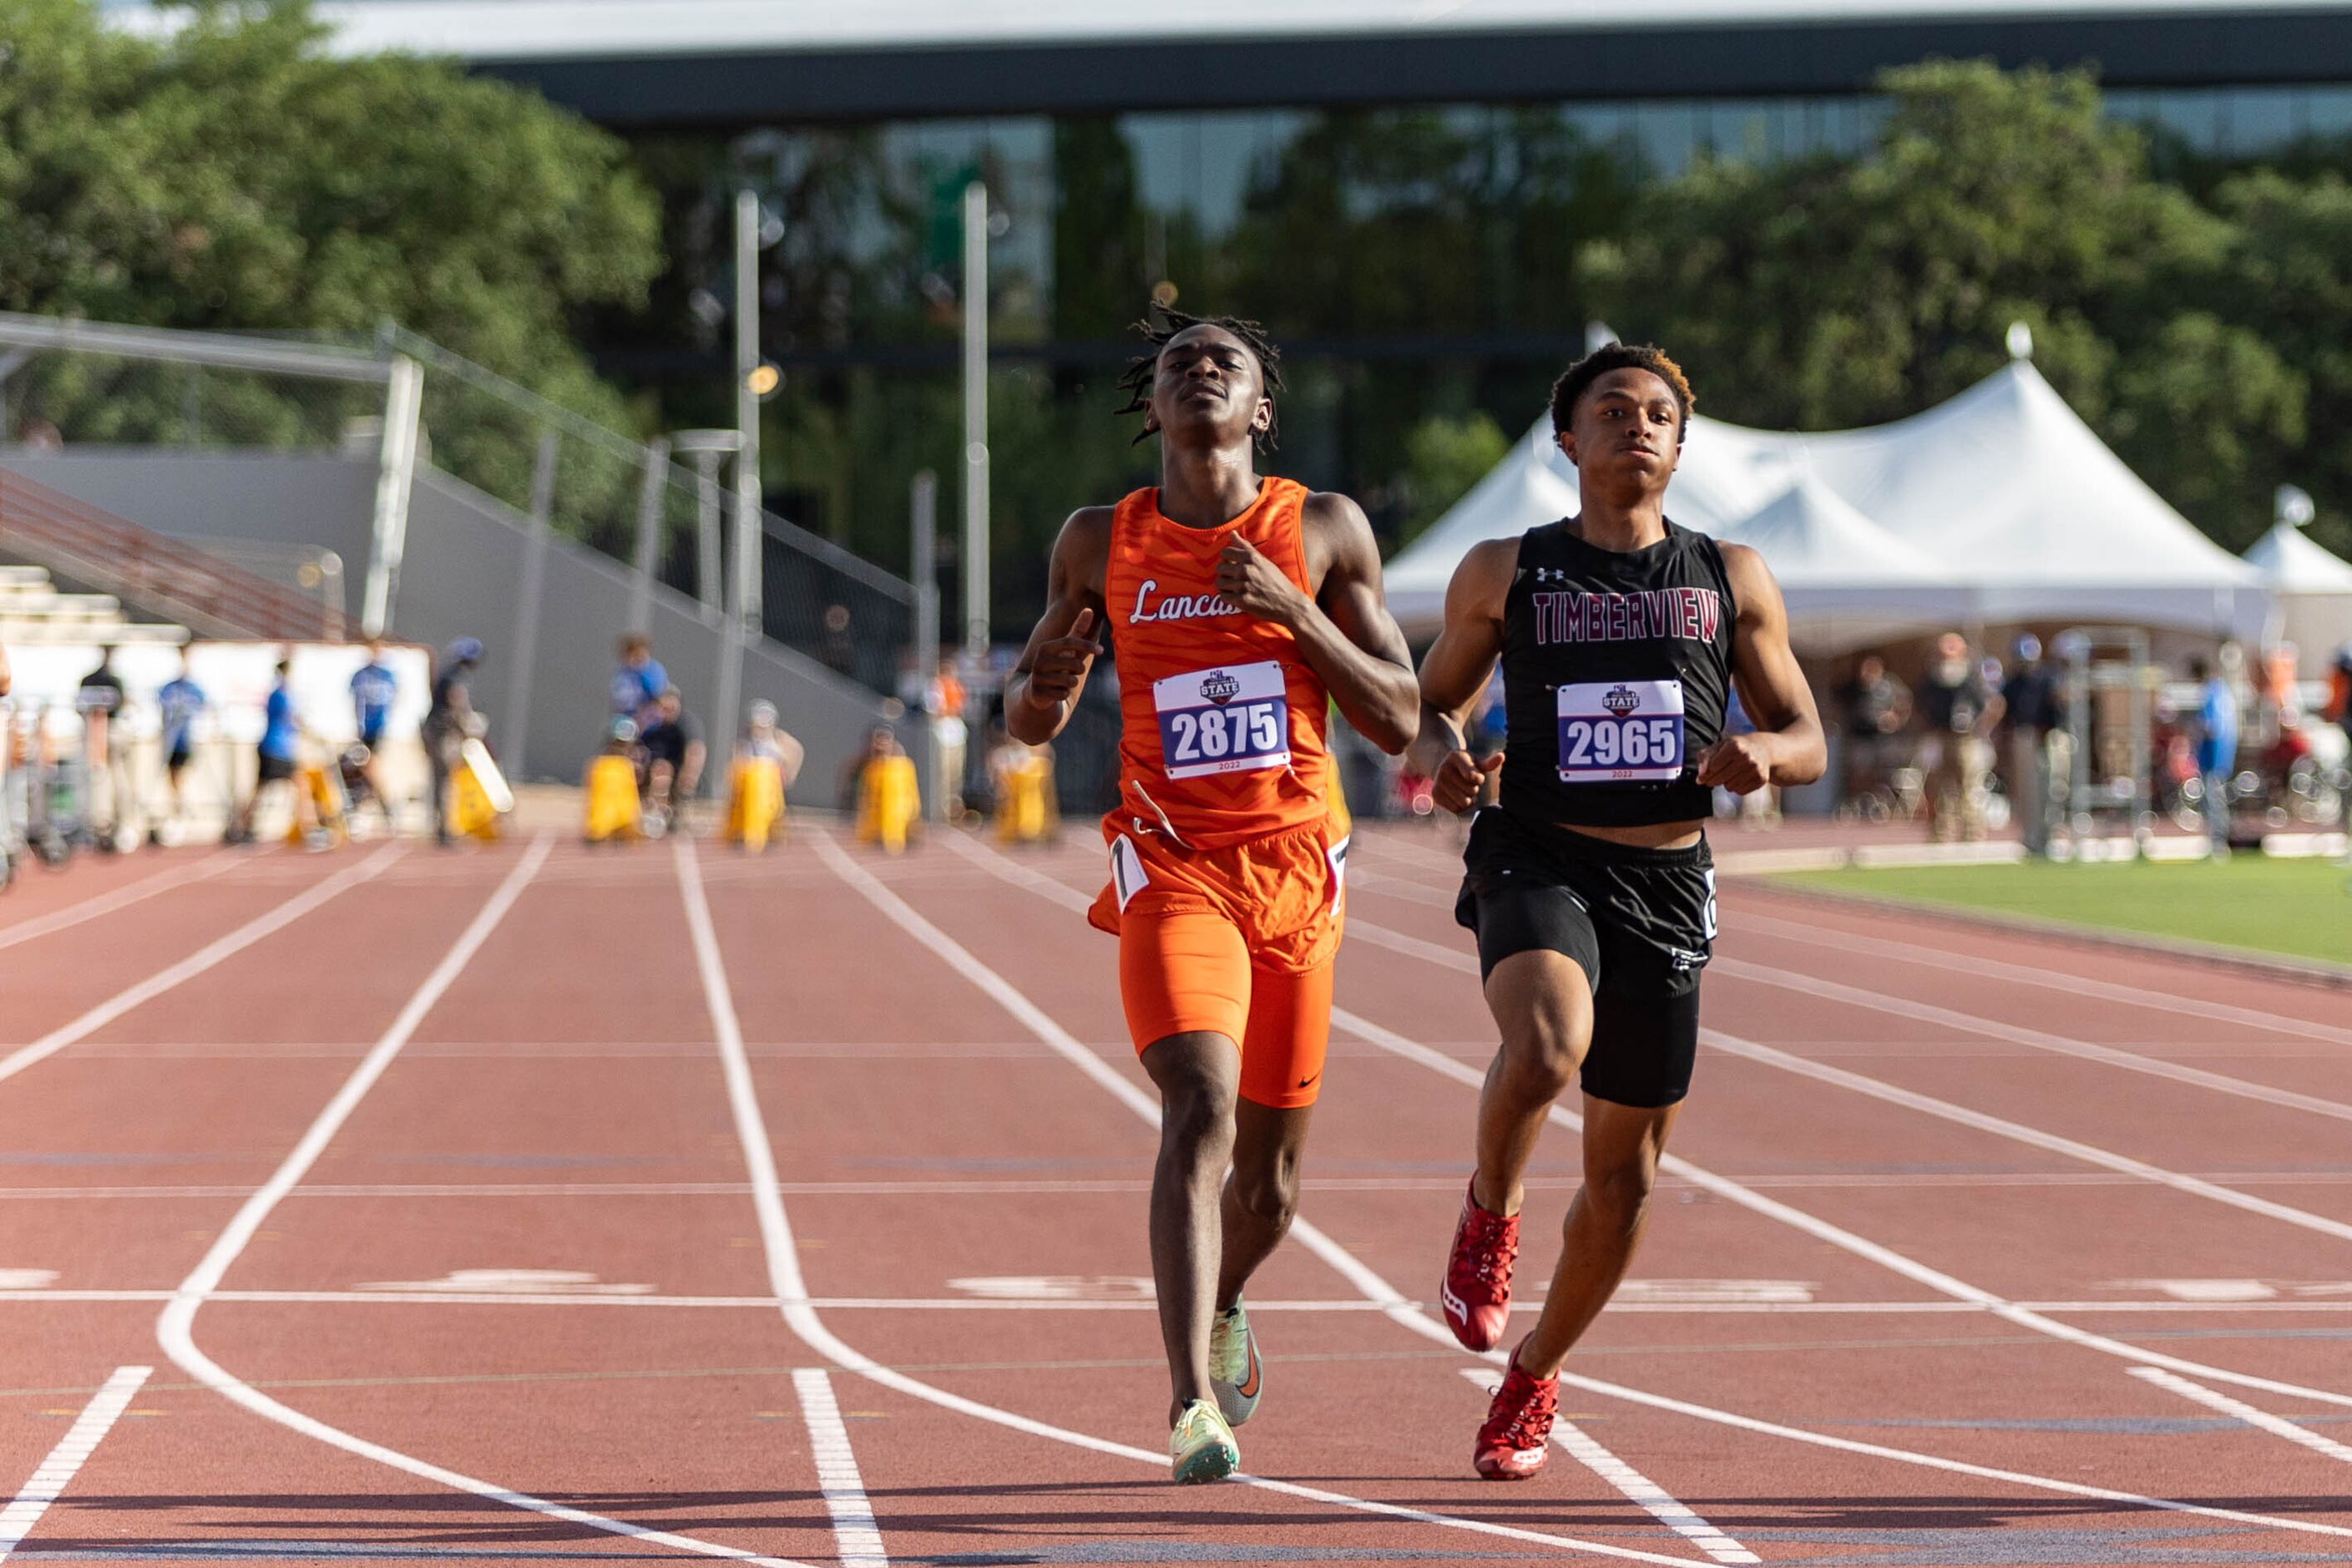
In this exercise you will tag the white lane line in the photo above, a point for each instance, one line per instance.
(1403, 1313)
(2072, 1149)
(1939, 1307)
(1817, 935)
(115, 899)
(784, 1257)
(2002, 1127)
(858, 1543)
(195, 963)
(2036, 1039)
(1654, 1498)
(57, 1472)
(175, 1328)
(2277, 1425)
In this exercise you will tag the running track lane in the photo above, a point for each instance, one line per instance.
(2002, 1439)
(551, 1082)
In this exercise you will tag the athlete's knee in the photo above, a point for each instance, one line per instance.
(1542, 1052)
(1617, 1194)
(1199, 1084)
(1268, 1196)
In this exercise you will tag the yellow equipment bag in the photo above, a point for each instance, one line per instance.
(755, 801)
(887, 802)
(611, 792)
(1025, 801)
(471, 812)
(324, 791)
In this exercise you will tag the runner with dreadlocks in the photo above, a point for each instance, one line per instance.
(1242, 607)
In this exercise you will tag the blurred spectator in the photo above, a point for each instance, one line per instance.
(2337, 712)
(40, 435)
(281, 741)
(838, 650)
(638, 681)
(674, 752)
(1022, 777)
(374, 688)
(450, 722)
(177, 702)
(99, 701)
(2029, 710)
(944, 699)
(1872, 709)
(1956, 710)
(2217, 749)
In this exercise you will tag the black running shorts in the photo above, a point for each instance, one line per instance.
(1640, 922)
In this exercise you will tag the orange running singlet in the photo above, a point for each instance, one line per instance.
(1223, 723)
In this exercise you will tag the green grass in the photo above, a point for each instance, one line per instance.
(2301, 907)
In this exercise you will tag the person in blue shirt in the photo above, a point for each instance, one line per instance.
(638, 681)
(177, 702)
(2217, 749)
(281, 739)
(374, 688)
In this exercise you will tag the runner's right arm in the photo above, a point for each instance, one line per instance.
(1453, 673)
(1053, 669)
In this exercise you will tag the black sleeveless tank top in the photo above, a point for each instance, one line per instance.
(1616, 667)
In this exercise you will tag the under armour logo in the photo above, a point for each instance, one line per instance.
(1551, 575)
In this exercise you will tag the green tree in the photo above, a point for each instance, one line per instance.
(230, 173)
(1444, 457)
(1832, 293)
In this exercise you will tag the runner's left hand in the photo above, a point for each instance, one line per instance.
(1247, 578)
(1740, 763)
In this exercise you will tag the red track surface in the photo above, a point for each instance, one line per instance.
(2040, 1167)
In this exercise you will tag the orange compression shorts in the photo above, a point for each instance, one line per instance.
(1238, 941)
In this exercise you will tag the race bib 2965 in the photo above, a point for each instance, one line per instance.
(1620, 731)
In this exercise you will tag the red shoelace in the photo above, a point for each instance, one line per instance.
(1522, 1413)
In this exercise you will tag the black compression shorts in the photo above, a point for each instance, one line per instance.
(1640, 922)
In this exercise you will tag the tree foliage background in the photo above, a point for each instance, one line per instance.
(231, 174)
(1432, 269)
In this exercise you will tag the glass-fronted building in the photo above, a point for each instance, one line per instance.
(1397, 187)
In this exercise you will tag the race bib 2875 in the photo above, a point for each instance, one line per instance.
(1222, 721)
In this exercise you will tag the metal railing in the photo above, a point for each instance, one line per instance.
(155, 573)
(80, 383)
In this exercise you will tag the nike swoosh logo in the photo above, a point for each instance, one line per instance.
(1308, 1082)
(1247, 1387)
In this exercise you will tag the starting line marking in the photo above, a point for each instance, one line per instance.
(854, 1533)
(57, 1472)
(1654, 1498)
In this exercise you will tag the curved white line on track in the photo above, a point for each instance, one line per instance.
(783, 1260)
(114, 899)
(174, 1329)
(1403, 1313)
(195, 963)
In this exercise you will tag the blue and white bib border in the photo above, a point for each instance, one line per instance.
(1232, 719)
(1620, 731)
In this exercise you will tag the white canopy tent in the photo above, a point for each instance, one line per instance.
(1996, 508)
(2314, 590)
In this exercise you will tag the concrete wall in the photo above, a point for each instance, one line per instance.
(463, 576)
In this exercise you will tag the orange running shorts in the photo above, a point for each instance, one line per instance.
(1238, 941)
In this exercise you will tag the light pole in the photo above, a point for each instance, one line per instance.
(975, 423)
(755, 382)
